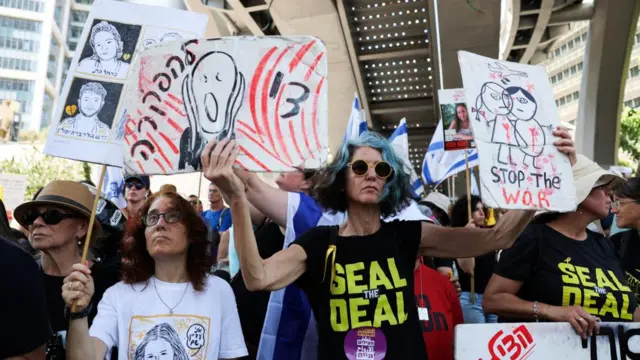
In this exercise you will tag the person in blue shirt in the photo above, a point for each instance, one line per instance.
(218, 217)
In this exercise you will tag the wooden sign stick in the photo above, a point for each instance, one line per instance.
(466, 161)
(92, 220)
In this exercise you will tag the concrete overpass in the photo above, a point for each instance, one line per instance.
(533, 26)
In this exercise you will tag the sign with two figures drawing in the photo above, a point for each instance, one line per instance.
(513, 114)
(91, 99)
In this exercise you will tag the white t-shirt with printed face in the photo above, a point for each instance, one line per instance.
(204, 325)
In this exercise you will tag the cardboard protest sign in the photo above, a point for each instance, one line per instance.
(268, 92)
(513, 114)
(91, 99)
(455, 117)
(12, 190)
(546, 341)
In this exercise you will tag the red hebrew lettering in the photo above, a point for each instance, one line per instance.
(514, 346)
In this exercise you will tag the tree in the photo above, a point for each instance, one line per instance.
(630, 134)
(40, 170)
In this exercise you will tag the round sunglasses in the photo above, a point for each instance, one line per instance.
(382, 168)
(131, 184)
(170, 217)
(50, 217)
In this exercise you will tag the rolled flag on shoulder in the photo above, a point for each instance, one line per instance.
(400, 142)
(439, 164)
(357, 121)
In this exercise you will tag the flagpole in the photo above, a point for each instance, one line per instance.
(466, 163)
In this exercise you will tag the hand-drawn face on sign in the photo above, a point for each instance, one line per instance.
(514, 115)
(270, 93)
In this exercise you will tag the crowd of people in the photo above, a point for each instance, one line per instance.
(328, 252)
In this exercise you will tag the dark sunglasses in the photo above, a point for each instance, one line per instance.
(50, 217)
(382, 168)
(170, 217)
(130, 184)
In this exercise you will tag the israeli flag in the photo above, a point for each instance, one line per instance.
(475, 190)
(400, 142)
(357, 121)
(113, 186)
(438, 164)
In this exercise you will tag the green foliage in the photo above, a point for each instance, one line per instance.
(630, 134)
(33, 136)
(40, 170)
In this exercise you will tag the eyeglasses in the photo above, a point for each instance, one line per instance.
(50, 217)
(170, 217)
(193, 202)
(382, 168)
(130, 184)
(616, 203)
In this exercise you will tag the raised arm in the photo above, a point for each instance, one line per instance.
(270, 201)
(470, 242)
(281, 269)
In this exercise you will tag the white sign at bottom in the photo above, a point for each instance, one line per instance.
(546, 341)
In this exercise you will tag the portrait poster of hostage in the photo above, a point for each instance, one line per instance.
(89, 110)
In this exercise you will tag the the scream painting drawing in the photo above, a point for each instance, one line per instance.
(269, 93)
(513, 113)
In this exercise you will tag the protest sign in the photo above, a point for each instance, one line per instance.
(546, 341)
(12, 190)
(268, 92)
(513, 114)
(91, 99)
(455, 118)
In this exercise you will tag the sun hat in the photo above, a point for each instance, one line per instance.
(588, 175)
(440, 200)
(70, 195)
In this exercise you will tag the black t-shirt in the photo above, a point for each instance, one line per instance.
(104, 277)
(484, 267)
(252, 306)
(628, 245)
(372, 287)
(25, 326)
(560, 271)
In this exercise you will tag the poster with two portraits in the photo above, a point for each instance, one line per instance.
(90, 103)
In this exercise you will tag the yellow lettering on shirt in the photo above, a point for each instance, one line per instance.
(357, 314)
(569, 276)
(603, 281)
(583, 274)
(352, 278)
(339, 285)
(569, 292)
(589, 302)
(402, 316)
(339, 319)
(378, 277)
(622, 288)
(383, 312)
(610, 307)
(398, 282)
(624, 313)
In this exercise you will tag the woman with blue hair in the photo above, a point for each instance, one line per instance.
(358, 276)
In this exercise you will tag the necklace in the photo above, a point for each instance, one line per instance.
(165, 304)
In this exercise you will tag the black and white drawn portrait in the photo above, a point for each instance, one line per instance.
(89, 109)
(109, 49)
(213, 93)
(155, 35)
(161, 343)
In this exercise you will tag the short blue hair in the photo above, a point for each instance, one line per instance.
(396, 193)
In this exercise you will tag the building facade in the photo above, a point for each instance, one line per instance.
(37, 40)
(565, 63)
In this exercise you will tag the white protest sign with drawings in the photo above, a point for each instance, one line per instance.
(12, 190)
(268, 92)
(513, 114)
(91, 99)
(546, 341)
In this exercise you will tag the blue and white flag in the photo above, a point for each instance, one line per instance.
(438, 164)
(113, 186)
(357, 121)
(400, 142)
(475, 190)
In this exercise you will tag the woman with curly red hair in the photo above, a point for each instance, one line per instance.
(166, 285)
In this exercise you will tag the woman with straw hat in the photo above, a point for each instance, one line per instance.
(560, 271)
(57, 221)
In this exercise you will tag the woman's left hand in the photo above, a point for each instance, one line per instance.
(565, 144)
(217, 166)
